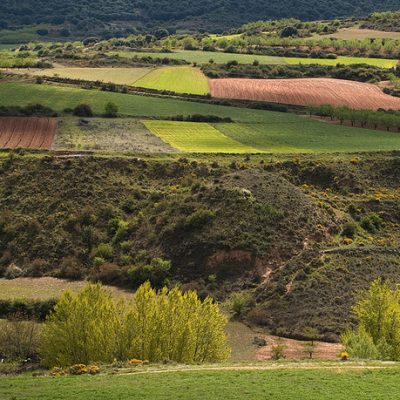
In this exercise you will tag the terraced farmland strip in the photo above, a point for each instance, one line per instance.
(6, 130)
(196, 137)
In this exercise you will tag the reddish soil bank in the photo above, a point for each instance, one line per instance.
(306, 91)
(29, 132)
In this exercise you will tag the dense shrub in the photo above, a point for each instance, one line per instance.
(83, 110)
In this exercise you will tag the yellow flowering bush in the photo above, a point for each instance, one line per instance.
(344, 356)
(77, 369)
(93, 370)
(135, 361)
(57, 371)
(347, 241)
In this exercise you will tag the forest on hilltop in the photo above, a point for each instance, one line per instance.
(87, 15)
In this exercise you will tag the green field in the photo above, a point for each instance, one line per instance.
(265, 131)
(205, 56)
(378, 62)
(120, 76)
(310, 136)
(176, 79)
(196, 137)
(337, 382)
(220, 58)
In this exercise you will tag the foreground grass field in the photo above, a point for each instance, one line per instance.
(336, 381)
(195, 137)
(176, 79)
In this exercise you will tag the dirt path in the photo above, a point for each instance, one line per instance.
(341, 366)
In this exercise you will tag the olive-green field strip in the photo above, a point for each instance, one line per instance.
(176, 79)
(120, 76)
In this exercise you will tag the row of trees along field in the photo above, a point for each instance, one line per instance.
(93, 326)
(388, 119)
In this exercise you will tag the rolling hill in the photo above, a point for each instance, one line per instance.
(91, 16)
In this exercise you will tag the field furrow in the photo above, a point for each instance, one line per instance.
(18, 133)
(6, 130)
(27, 136)
(50, 132)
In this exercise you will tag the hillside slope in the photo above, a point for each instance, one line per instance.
(298, 236)
(89, 16)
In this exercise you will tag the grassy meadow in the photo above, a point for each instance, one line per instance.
(194, 137)
(42, 288)
(265, 381)
(176, 79)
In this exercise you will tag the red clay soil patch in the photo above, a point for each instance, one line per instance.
(27, 132)
(306, 91)
(294, 350)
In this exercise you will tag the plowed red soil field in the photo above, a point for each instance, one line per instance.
(29, 132)
(306, 91)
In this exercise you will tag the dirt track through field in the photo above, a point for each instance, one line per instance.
(28, 132)
(306, 91)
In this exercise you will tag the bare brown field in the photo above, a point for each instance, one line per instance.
(28, 132)
(306, 91)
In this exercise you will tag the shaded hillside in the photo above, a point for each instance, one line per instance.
(89, 16)
(297, 236)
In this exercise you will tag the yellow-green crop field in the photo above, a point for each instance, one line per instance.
(120, 76)
(176, 79)
(378, 62)
(196, 137)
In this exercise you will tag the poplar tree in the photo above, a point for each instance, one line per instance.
(168, 325)
(82, 329)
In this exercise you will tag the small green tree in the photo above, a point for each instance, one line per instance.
(111, 110)
(312, 335)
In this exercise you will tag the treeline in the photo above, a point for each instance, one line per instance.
(385, 21)
(31, 110)
(354, 72)
(219, 15)
(28, 308)
(389, 119)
